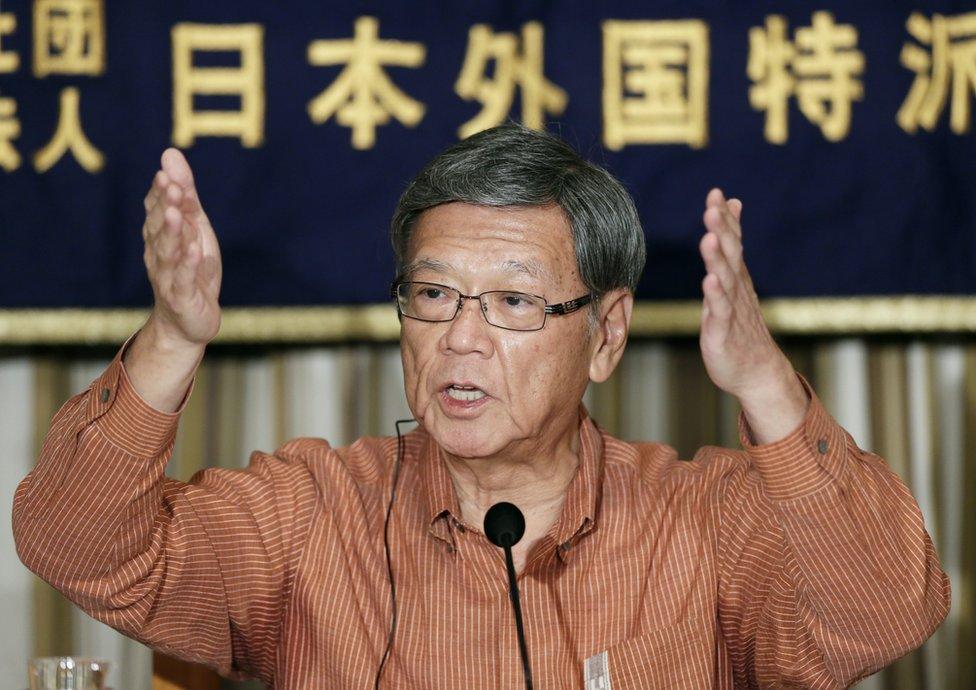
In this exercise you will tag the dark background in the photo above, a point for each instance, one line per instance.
(304, 218)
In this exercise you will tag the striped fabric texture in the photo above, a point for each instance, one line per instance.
(801, 563)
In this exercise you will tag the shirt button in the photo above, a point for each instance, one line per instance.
(106, 393)
(458, 526)
(822, 446)
(565, 546)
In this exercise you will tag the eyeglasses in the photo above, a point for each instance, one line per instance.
(513, 311)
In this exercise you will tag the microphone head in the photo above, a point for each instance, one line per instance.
(504, 525)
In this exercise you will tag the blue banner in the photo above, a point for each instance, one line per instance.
(845, 128)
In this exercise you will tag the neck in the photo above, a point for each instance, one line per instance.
(533, 479)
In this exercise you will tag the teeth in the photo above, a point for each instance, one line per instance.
(465, 394)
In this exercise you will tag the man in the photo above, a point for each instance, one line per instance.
(801, 561)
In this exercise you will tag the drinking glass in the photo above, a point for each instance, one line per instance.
(68, 673)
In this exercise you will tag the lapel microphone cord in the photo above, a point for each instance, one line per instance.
(386, 545)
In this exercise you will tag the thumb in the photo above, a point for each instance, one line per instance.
(176, 167)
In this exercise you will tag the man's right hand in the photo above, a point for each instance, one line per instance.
(183, 262)
(182, 256)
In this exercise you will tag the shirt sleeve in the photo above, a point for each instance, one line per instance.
(200, 570)
(826, 572)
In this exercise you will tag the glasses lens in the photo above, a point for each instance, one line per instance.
(427, 301)
(515, 310)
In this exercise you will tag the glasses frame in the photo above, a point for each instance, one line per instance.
(560, 309)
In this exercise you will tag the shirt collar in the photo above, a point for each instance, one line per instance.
(437, 484)
(585, 491)
(583, 494)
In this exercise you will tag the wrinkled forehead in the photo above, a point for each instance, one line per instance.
(530, 243)
(527, 268)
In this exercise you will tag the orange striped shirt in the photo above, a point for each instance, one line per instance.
(804, 562)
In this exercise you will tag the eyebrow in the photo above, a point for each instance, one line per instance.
(429, 265)
(530, 268)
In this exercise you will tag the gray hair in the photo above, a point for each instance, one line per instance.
(511, 165)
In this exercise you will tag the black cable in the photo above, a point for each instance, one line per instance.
(386, 545)
(513, 594)
(504, 527)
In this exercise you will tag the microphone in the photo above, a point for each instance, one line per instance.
(504, 527)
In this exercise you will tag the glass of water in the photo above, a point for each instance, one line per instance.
(68, 673)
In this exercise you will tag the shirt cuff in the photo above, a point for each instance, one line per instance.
(805, 461)
(125, 418)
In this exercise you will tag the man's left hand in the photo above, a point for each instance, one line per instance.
(740, 355)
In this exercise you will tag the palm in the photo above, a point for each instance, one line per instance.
(737, 348)
(182, 254)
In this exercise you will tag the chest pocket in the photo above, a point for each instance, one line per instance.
(673, 657)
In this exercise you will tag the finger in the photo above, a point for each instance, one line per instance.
(176, 166)
(162, 183)
(716, 199)
(185, 274)
(166, 253)
(719, 221)
(731, 222)
(716, 263)
(168, 239)
(156, 188)
(188, 232)
(735, 206)
(732, 241)
(157, 185)
(155, 222)
(154, 218)
(716, 300)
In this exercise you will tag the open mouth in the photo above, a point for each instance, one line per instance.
(464, 393)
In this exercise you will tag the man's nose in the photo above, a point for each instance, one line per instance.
(468, 332)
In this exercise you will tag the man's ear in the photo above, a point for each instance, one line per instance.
(610, 335)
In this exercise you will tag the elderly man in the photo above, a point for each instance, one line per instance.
(800, 561)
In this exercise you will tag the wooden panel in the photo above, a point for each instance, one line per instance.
(174, 674)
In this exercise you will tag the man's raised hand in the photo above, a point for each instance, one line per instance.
(182, 257)
(739, 353)
(183, 262)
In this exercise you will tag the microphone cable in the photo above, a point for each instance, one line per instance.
(386, 546)
(504, 527)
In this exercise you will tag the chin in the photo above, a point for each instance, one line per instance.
(476, 438)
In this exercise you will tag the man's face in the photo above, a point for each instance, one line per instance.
(532, 381)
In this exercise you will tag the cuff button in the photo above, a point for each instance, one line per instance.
(106, 393)
(822, 446)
